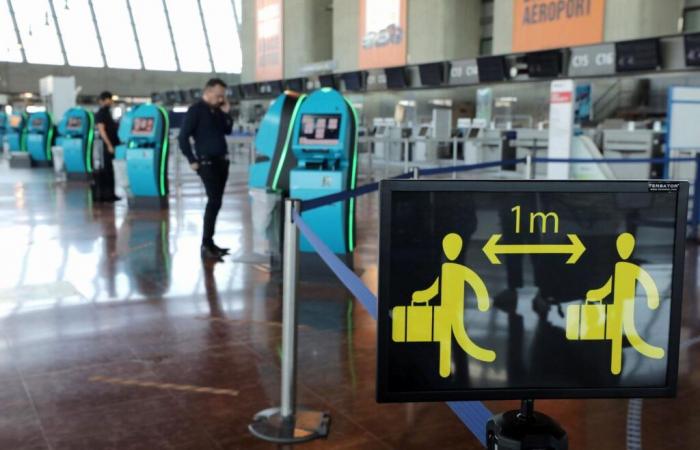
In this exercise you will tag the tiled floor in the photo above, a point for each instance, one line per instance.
(100, 291)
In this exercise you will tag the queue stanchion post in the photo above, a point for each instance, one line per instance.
(529, 167)
(454, 157)
(696, 198)
(415, 170)
(286, 424)
(405, 155)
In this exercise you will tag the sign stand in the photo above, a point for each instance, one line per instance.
(284, 424)
(525, 429)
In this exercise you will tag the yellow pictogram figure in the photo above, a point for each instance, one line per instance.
(619, 318)
(439, 323)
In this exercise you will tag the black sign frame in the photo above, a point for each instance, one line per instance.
(386, 189)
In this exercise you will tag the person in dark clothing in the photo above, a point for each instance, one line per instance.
(208, 122)
(107, 128)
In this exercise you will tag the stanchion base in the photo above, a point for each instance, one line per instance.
(304, 426)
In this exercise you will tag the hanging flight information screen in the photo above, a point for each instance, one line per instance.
(529, 289)
(320, 129)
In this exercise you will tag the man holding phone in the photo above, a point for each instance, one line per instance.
(208, 122)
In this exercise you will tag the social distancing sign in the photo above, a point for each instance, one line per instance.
(536, 290)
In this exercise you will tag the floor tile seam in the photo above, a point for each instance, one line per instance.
(37, 418)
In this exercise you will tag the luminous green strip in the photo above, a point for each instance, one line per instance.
(283, 158)
(353, 181)
(165, 244)
(90, 140)
(49, 137)
(164, 149)
(23, 133)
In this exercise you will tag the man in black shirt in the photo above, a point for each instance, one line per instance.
(107, 128)
(208, 122)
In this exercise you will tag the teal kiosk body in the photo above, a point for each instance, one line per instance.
(16, 140)
(40, 137)
(76, 133)
(147, 156)
(3, 127)
(268, 178)
(325, 146)
(274, 159)
(123, 132)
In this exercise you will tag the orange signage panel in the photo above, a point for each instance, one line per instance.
(542, 24)
(268, 40)
(382, 33)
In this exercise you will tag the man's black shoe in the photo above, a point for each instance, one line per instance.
(209, 252)
(222, 251)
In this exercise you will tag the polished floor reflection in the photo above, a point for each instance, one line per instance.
(114, 336)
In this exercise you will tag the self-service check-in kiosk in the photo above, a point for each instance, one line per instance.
(16, 140)
(325, 146)
(76, 133)
(274, 160)
(3, 126)
(268, 179)
(40, 137)
(147, 156)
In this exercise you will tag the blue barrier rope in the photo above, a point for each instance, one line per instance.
(467, 167)
(472, 414)
(612, 160)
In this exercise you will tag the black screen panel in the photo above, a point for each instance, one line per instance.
(633, 56)
(492, 68)
(432, 74)
(396, 77)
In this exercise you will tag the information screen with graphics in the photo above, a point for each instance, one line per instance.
(142, 125)
(319, 129)
(382, 33)
(74, 123)
(529, 289)
(15, 121)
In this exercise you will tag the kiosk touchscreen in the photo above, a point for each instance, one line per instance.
(76, 133)
(529, 289)
(274, 159)
(325, 146)
(147, 156)
(40, 136)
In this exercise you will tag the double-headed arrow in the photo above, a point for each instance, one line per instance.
(576, 248)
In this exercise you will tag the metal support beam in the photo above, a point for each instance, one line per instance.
(19, 36)
(136, 35)
(206, 35)
(97, 32)
(238, 22)
(58, 32)
(172, 36)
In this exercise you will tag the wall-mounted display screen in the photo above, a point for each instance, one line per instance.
(432, 74)
(354, 81)
(631, 56)
(327, 81)
(319, 129)
(492, 68)
(142, 126)
(296, 84)
(692, 49)
(544, 64)
(396, 77)
(529, 289)
(74, 123)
